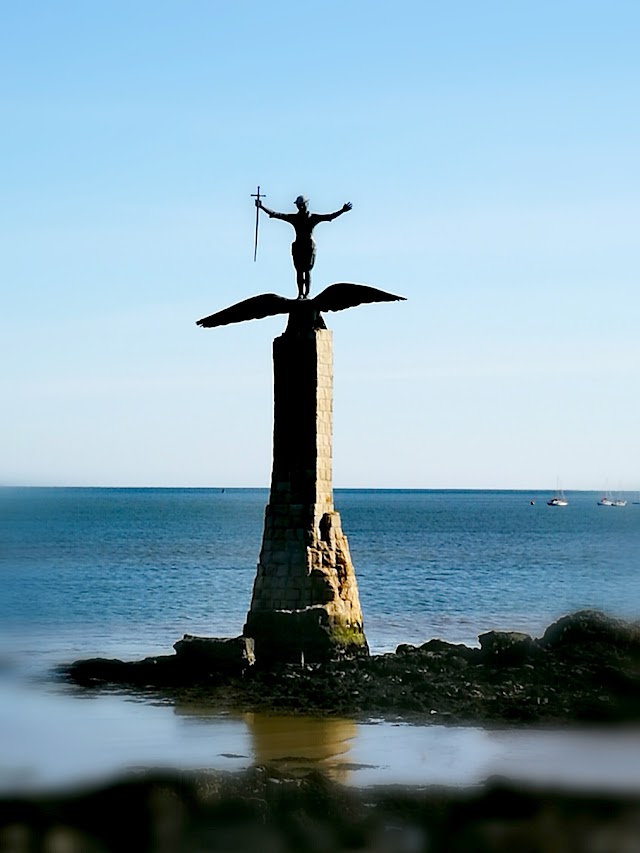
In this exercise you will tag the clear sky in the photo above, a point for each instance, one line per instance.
(490, 150)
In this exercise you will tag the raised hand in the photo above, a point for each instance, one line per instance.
(346, 206)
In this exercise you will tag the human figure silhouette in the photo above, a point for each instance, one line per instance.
(303, 248)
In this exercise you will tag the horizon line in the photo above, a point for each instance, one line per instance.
(335, 488)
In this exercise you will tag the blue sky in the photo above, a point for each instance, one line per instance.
(491, 154)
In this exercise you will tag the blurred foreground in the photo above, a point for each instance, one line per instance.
(263, 811)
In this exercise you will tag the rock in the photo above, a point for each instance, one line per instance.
(406, 649)
(264, 808)
(451, 650)
(158, 670)
(223, 655)
(507, 648)
(96, 670)
(586, 668)
(440, 647)
(589, 626)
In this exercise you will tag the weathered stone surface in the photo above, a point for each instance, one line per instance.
(304, 635)
(304, 560)
(225, 655)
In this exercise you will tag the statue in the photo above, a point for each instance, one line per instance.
(305, 603)
(303, 248)
(304, 314)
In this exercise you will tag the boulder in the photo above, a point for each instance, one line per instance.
(592, 626)
(220, 655)
(507, 648)
(158, 670)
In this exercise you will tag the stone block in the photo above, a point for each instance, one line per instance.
(227, 656)
(283, 636)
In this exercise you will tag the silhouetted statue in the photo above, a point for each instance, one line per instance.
(303, 248)
(304, 314)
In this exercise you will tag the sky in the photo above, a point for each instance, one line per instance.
(490, 151)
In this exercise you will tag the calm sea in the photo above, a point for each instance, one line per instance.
(126, 572)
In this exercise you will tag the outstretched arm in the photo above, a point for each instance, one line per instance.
(272, 214)
(327, 217)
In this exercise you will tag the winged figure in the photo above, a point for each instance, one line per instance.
(304, 314)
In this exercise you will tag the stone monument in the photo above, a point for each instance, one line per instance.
(305, 604)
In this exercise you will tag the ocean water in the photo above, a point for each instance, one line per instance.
(126, 572)
(129, 571)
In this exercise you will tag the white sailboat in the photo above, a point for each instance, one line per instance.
(609, 500)
(558, 499)
(619, 500)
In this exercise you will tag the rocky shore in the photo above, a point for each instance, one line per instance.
(585, 667)
(262, 811)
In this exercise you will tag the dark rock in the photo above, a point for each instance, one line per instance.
(96, 670)
(158, 671)
(442, 647)
(506, 648)
(263, 809)
(406, 649)
(586, 668)
(224, 655)
(589, 626)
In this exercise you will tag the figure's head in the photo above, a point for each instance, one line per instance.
(301, 203)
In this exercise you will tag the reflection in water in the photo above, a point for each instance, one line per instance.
(294, 744)
(50, 739)
(298, 743)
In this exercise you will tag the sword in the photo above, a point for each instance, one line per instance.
(257, 197)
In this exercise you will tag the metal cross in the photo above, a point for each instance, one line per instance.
(257, 197)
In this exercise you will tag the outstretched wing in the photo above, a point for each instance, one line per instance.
(345, 294)
(254, 308)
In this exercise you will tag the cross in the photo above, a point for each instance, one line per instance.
(257, 197)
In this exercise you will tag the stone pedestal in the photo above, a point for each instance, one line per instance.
(305, 602)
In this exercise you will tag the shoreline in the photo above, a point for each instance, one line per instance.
(585, 668)
(587, 665)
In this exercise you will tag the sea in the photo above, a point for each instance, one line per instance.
(126, 572)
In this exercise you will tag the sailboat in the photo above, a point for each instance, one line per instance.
(608, 500)
(619, 500)
(558, 499)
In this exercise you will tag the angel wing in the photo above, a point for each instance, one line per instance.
(254, 308)
(345, 294)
